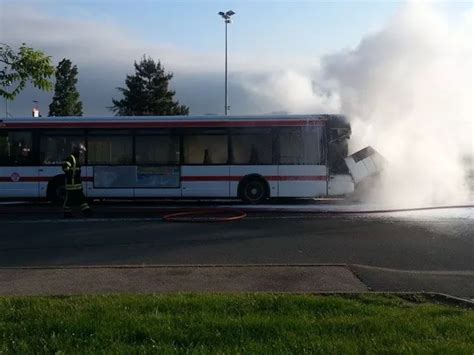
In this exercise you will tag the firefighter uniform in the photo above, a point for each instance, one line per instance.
(74, 193)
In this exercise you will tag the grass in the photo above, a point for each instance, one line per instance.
(244, 324)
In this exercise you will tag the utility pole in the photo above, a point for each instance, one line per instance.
(226, 16)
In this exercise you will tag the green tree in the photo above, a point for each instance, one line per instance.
(66, 98)
(147, 92)
(23, 66)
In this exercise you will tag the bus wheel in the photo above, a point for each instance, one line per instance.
(253, 190)
(56, 190)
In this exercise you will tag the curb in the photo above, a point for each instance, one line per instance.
(435, 296)
(169, 266)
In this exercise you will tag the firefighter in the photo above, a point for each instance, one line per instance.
(74, 193)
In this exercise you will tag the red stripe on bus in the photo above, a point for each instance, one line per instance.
(183, 178)
(25, 178)
(301, 178)
(37, 178)
(210, 178)
(270, 178)
(164, 124)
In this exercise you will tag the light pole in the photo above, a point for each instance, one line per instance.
(226, 16)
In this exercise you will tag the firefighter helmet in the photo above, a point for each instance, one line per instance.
(80, 148)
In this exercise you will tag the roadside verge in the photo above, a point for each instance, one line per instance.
(171, 279)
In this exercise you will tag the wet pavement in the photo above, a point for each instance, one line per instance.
(397, 251)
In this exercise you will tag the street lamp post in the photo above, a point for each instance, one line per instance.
(226, 16)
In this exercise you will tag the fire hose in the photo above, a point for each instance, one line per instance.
(206, 215)
(231, 214)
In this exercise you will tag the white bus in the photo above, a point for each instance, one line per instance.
(253, 158)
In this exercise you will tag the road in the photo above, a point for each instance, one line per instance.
(430, 250)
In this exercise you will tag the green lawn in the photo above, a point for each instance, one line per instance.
(233, 324)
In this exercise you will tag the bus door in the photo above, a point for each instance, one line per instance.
(18, 176)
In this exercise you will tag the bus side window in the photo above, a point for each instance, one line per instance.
(301, 146)
(55, 147)
(252, 146)
(110, 148)
(158, 149)
(16, 148)
(205, 147)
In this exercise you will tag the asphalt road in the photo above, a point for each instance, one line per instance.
(400, 251)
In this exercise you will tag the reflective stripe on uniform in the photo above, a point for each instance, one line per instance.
(71, 168)
(70, 187)
(84, 206)
(74, 168)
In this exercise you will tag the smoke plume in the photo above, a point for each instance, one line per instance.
(408, 92)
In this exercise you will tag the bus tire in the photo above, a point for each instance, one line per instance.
(56, 189)
(254, 189)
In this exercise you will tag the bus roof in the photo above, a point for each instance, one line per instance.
(169, 121)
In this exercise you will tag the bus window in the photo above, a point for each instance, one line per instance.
(301, 146)
(55, 147)
(16, 148)
(110, 150)
(252, 146)
(205, 149)
(157, 149)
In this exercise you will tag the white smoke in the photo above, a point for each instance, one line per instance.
(293, 91)
(408, 92)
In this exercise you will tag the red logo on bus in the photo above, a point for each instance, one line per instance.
(15, 177)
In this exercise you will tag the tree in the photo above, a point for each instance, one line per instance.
(19, 68)
(66, 98)
(147, 92)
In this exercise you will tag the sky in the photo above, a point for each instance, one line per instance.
(267, 39)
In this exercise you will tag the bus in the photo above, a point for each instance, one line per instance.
(253, 158)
